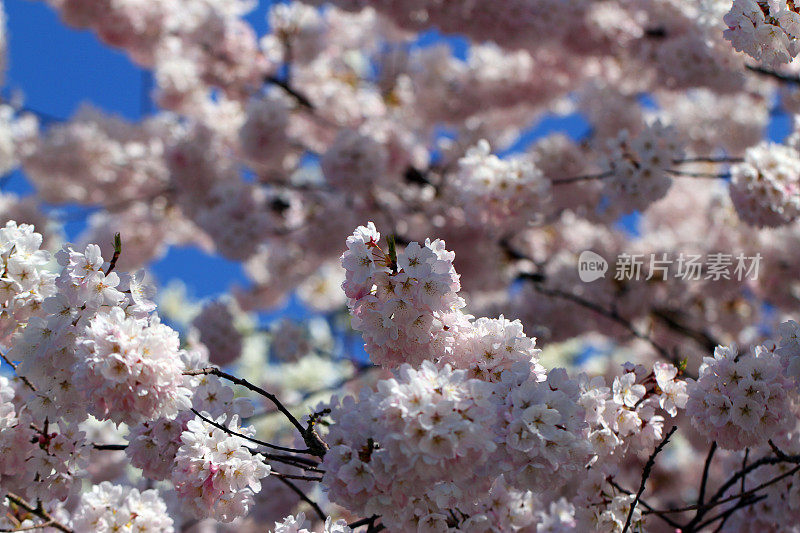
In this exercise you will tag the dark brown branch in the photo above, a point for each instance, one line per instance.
(363, 522)
(704, 175)
(303, 497)
(315, 444)
(723, 159)
(608, 313)
(702, 494)
(648, 467)
(38, 511)
(299, 97)
(115, 447)
(243, 436)
(586, 177)
(294, 476)
(669, 318)
(786, 78)
(25, 380)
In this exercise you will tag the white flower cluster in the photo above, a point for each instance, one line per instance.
(741, 400)
(543, 429)
(766, 30)
(493, 346)
(109, 508)
(215, 473)
(765, 188)
(80, 317)
(153, 444)
(263, 133)
(499, 193)
(603, 508)
(218, 332)
(639, 165)
(299, 524)
(17, 132)
(24, 281)
(558, 518)
(8, 421)
(422, 437)
(789, 348)
(42, 463)
(405, 311)
(96, 157)
(354, 161)
(130, 369)
(627, 416)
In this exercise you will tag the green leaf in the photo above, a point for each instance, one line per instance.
(392, 252)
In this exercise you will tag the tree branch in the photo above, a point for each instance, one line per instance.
(38, 511)
(322, 516)
(651, 461)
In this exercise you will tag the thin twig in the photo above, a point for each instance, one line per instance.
(243, 436)
(363, 522)
(25, 380)
(651, 461)
(786, 78)
(29, 528)
(246, 384)
(294, 476)
(648, 507)
(115, 447)
(314, 442)
(586, 177)
(299, 97)
(608, 313)
(702, 494)
(708, 175)
(725, 514)
(722, 159)
(360, 371)
(117, 252)
(303, 497)
(38, 511)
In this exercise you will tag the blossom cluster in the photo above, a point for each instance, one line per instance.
(25, 283)
(741, 399)
(630, 414)
(299, 524)
(766, 31)
(153, 444)
(765, 188)
(99, 350)
(404, 305)
(109, 507)
(543, 429)
(418, 442)
(499, 193)
(215, 472)
(639, 165)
